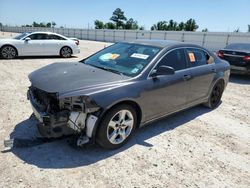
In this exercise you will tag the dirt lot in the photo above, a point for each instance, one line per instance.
(195, 148)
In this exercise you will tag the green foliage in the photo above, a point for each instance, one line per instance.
(190, 25)
(131, 24)
(118, 17)
(119, 21)
(110, 25)
(205, 30)
(53, 24)
(99, 24)
(161, 25)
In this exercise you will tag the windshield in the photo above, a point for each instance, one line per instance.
(18, 37)
(238, 46)
(123, 58)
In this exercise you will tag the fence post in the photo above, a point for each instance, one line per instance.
(182, 37)
(124, 36)
(104, 35)
(136, 35)
(204, 39)
(228, 35)
(165, 35)
(113, 35)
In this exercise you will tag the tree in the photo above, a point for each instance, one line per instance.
(53, 24)
(131, 24)
(205, 30)
(161, 26)
(172, 26)
(119, 18)
(181, 26)
(109, 25)
(141, 28)
(237, 30)
(191, 25)
(48, 24)
(99, 24)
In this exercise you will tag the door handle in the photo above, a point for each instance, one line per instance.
(187, 77)
(213, 70)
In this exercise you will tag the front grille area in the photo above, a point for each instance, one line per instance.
(47, 102)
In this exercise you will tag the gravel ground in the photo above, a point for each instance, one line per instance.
(194, 148)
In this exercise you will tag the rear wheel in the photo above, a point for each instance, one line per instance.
(8, 52)
(215, 96)
(66, 52)
(117, 127)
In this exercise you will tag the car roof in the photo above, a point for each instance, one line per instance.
(43, 32)
(162, 43)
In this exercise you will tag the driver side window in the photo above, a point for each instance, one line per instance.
(175, 59)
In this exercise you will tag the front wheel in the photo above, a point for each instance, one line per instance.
(66, 52)
(215, 96)
(117, 127)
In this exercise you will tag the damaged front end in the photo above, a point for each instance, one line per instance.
(59, 117)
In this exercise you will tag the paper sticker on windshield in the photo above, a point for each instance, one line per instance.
(191, 57)
(135, 70)
(109, 56)
(139, 56)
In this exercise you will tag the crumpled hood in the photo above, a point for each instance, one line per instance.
(64, 78)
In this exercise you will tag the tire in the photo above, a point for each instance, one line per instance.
(65, 52)
(8, 52)
(113, 133)
(215, 96)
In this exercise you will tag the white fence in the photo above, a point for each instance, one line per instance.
(210, 40)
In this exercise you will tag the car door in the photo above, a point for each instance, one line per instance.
(53, 44)
(167, 93)
(202, 70)
(34, 46)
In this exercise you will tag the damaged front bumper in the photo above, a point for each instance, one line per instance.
(64, 121)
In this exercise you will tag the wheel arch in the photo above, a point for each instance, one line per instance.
(11, 46)
(65, 46)
(127, 102)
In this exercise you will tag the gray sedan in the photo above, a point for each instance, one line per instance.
(106, 96)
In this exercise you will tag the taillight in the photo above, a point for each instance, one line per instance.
(77, 42)
(246, 58)
(220, 54)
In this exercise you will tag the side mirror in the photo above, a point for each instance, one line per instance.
(163, 70)
(27, 39)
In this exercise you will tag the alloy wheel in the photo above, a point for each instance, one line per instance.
(8, 52)
(120, 126)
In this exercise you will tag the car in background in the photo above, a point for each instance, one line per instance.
(238, 55)
(106, 96)
(38, 44)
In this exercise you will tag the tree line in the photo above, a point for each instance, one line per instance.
(41, 24)
(118, 20)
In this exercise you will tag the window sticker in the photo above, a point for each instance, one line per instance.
(134, 70)
(139, 56)
(109, 56)
(191, 57)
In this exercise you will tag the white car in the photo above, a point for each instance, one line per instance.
(38, 44)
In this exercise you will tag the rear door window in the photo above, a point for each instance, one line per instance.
(55, 37)
(175, 59)
(197, 57)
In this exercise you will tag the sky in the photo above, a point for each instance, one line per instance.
(216, 15)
